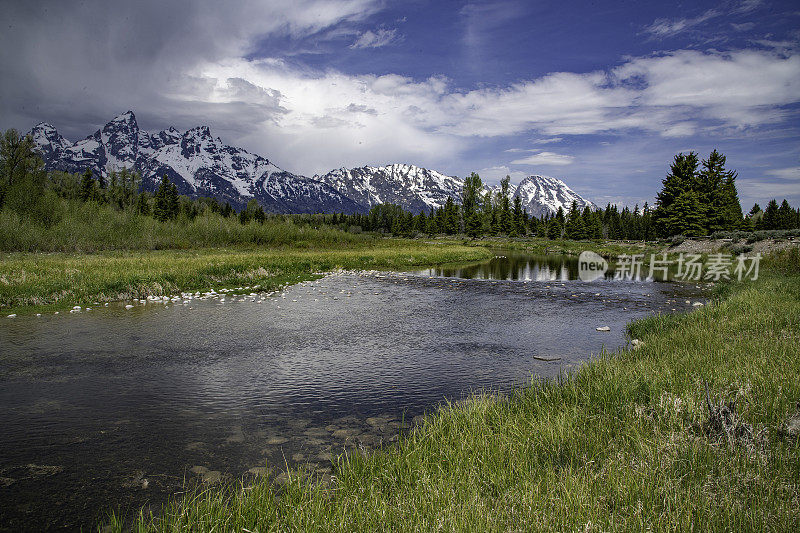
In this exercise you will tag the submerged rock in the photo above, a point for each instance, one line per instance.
(210, 477)
(376, 421)
(259, 471)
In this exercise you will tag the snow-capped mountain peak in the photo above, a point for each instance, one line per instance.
(544, 195)
(49, 141)
(202, 165)
(415, 188)
(196, 161)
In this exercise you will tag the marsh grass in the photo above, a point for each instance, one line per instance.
(88, 227)
(31, 282)
(615, 445)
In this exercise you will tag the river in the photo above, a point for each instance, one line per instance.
(116, 408)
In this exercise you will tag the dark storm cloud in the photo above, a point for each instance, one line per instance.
(77, 65)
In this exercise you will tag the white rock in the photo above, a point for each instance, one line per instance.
(698, 304)
(603, 328)
(77, 308)
(12, 315)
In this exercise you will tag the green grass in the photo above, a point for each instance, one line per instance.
(88, 227)
(616, 445)
(36, 282)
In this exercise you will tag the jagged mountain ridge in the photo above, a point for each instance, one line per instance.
(202, 165)
(416, 189)
(542, 195)
(198, 163)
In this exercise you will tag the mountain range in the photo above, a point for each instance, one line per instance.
(202, 165)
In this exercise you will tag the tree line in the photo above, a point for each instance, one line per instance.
(36, 194)
(697, 198)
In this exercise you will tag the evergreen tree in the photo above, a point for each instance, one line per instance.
(555, 227)
(471, 198)
(419, 224)
(431, 228)
(593, 227)
(505, 220)
(450, 215)
(520, 217)
(89, 190)
(122, 188)
(686, 216)
(487, 213)
(187, 208)
(143, 203)
(785, 216)
(718, 196)
(770, 218)
(647, 224)
(166, 201)
(574, 228)
(681, 178)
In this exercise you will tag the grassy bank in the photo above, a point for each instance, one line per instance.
(541, 246)
(90, 227)
(624, 443)
(35, 282)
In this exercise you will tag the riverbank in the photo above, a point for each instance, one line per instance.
(540, 246)
(630, 441)
(37, 282)
(613, 249)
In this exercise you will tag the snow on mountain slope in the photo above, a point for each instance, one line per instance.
(198, 163)
(414, 188)
(544, 195)
(202, 165)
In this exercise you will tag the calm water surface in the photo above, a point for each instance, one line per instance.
(116, 408)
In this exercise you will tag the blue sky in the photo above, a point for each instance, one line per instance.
(600, 94)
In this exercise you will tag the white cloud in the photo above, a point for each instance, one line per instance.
(676, 94)
(743, 88)
(664, 27)
(545, 158)
(791, 173)
(745, 26)
(761, 191)
(376, 39)
(179, 64)
(745, 6)
(668, 27)
(492, 175)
